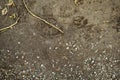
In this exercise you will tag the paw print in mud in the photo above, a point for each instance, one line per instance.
(48, 31)
(80, 21)
(77, 2)
(117, 26)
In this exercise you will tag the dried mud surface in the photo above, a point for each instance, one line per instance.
(89, 49)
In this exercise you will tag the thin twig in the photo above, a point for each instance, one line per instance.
(9, 27)
(41, 18)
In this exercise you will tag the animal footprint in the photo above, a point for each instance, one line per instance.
(48, 31)
(80, 21)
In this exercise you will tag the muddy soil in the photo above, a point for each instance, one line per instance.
(89, 49)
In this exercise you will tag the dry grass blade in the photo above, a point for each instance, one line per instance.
(41, 18)
(9, 27)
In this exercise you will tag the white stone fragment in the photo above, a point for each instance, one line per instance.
(92, 45)
(66, 44)
(56, 48)
(100, 36)
(71, 52)
(23, 71)
(104, 51)
(74, 45)
(71, 69)
(22, 57)
(42, 65)
(53, 73)
(38, 57)
(60, 43)
(76, 49)
(50, 48)
(8, 50)
(96, 51)
(19, 42)
(110, 46)
(16, 56)
(34, 34)
(67, 48)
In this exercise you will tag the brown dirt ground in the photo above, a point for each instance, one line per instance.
(89, 49)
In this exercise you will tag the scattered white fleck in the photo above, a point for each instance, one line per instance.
(70, 65)
(34, 34)
(36, 78)
(38, 57)
(35, 61)
(99, 64)
(33, 75)
(110, 46)
(8, 50)
(53, 60)
(118, 50)
(111, 65)
(50, 48)
(117, 61)
(42, 65)
(77, 66)
(92, 61)
(78, 55)
(106, 58)
(103, 67)
(61, 73)
(56, 62)
(70, 43)
(67, 48)
(23, 76)
(66, 44)
(95, 73)
(71, 69)
(92, 45)
(76, 49)
(71, 52)
(74, 45)
(69, 74)
(56, 48)
(104, 51)
(18, 42)
(16, 56)
(2, 50)
(22, 57)
(53, 73)
(53, 65)
(60, 43)
(101, 36)
(26, 62)
(65, 65)
(96, 51)
(113, 76)
(23, 71)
